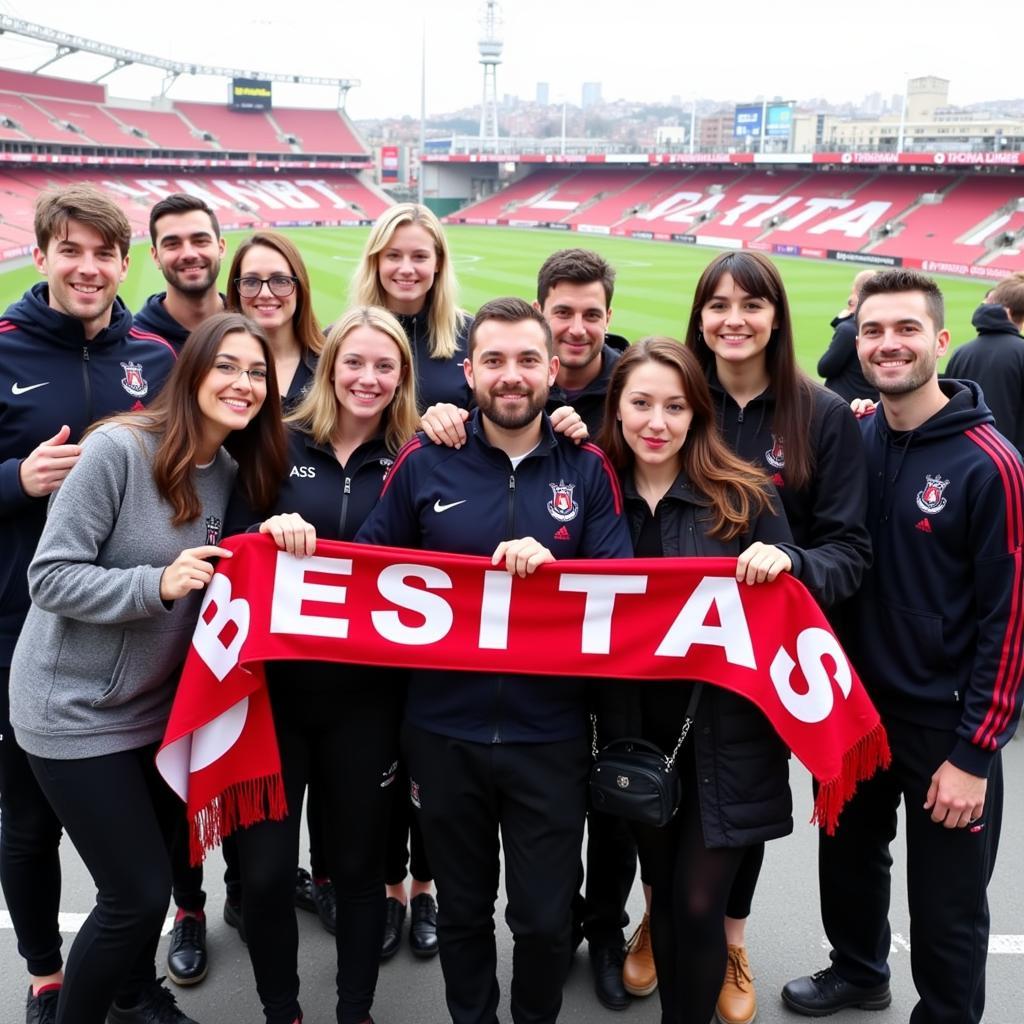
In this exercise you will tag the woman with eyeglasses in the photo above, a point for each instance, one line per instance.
(116, 587)
(336, 725)
(269, 283)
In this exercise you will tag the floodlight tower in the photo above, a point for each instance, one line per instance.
(490, 57)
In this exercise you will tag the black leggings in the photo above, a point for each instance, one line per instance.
(29, 857)
(405, 840)
(121, 816)
(346, 741)
(690, 886)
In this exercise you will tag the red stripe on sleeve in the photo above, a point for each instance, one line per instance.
(147, 336)
(406, 450)
(613, 477)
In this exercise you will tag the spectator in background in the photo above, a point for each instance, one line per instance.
(995, 359)
(839, 365)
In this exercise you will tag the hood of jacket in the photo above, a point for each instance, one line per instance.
(965, 409)
(32, 313)
(991, 318)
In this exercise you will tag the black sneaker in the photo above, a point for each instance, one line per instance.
(233, 916)
(157, 1006)
(326, 901)
(186, 954)
(42, 1009)
(824, 993)
(304, 899)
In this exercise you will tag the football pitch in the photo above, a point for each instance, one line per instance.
(652, 296)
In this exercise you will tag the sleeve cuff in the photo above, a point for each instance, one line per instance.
(971, 758)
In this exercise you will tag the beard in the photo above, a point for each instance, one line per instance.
(917, 376)
(512, 419)
(198, 287)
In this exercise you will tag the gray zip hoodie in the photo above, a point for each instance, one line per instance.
(97, 660)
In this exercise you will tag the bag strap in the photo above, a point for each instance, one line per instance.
(670, 759)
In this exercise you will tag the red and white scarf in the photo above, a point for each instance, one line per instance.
(659, 618)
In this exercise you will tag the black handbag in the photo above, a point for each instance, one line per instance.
(634, 779)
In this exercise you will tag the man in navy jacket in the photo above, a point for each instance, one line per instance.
(69, 355)
(935, 633)
(489, 752)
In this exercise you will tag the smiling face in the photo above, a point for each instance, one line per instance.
(268, 310)
(655, 415)
(83, 273)
(578, 315)
(737, 327)
(407, 266)
(897, 342)
(511, 372)
(367, 373)
(188, 252)
(228, 399)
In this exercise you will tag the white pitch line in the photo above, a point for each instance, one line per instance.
(997, 944)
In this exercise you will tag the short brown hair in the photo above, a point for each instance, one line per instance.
(181, 202)
(509, 310)
(87, 205)
(1010, 293)
(899, 280)
(577, 266)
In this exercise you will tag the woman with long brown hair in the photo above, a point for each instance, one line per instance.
(741, 331)
(687, 495)
(116, 586)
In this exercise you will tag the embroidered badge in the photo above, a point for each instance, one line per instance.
(133, 382)
(776, 455)
(930, 499)
(561, 506)
(213, 528)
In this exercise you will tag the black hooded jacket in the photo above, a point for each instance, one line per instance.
(995, 360)
(51, 375)
(589, 403)
(840, 366)
(937, 630)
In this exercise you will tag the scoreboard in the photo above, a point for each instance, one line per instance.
(250, 94)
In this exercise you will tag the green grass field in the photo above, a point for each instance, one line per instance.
(653, 293)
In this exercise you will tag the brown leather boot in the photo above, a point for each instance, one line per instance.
(639, 977)
(737, 1002)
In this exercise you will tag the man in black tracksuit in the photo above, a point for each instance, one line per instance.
(839, 365)
(69, 355)
(188, 249)
(490, 752)
(935, 633)
(995, 359)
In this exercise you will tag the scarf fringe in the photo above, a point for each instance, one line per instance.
(860, 762)
(242, 804)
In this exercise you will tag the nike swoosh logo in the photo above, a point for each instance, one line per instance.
(17, 389)
(438, 507)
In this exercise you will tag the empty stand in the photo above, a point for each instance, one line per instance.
(318, 131)
(164, 128)
(93, 122)
(235, 131)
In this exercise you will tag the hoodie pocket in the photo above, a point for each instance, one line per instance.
(146, 661)
(908, 654)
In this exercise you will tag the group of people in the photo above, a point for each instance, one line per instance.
(130, 447)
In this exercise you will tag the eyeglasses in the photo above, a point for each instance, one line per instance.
(280, 285)
(257, 376)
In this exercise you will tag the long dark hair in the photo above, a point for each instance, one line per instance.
(259, 449)
(304, 322)
(737, 489)
(793, 389)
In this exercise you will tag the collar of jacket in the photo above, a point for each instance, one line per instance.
(548, 439)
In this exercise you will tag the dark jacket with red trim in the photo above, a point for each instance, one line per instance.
(589, 403)
(831, 547)
(467, 501)
(51, 375)
(937, 630)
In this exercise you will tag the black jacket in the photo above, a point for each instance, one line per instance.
(466, 501)
(437, 380)
(995, 360)
(153, 317)
(840, 366)
(936, 630)
(50, 375)
(589, 403)
(742, 765)
(831, 546)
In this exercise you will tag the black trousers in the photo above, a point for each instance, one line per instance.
(406, 853)
(121, 816)
(29, 858)
(611, 868)
(948, 871)
(346, 741)
(534, 795)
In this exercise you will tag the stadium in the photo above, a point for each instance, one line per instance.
(822, 196)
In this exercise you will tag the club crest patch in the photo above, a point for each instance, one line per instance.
(562, 507)
(930, 499)
(213, 528)
(776, 455)
(133, 382)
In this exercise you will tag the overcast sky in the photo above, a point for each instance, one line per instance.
(638, 49)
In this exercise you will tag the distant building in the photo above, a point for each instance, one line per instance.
(543, 94)
(591, 94)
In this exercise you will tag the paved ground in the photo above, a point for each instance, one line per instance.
(785, 940)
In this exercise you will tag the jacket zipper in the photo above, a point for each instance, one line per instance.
(510, 522)
(344, 506)
(88, 384)
(739, 428)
